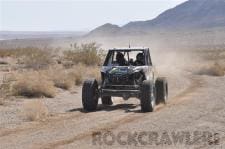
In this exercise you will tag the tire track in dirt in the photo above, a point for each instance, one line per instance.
(56, 120)
(40, 125)
(107, 127)
(195, 84)
(179, 98)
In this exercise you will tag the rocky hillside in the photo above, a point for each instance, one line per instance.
(192, 14)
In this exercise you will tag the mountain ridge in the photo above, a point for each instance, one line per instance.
(192, 14)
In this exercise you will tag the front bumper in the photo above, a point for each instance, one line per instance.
(121, 91)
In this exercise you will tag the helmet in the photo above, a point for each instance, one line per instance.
(140, 57)
(119, 56)
(120, 59)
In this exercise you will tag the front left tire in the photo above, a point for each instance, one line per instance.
(90, 95)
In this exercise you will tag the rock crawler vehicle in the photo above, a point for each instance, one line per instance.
(126, 73)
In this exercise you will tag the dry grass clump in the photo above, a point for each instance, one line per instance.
(2, 62)
(3, 95)
(94, 72)
(6, 52)
(35, 58)
(5, 87)
(212, 70)
(42, 78)
(76, 76)
(30, 57)
(61, 81)
(81, 72)
(60, 77)
(85, 53)
(67, 78)
(35, 110)
(1, 101)
(44, 82)
(64, 78)
(33, 84)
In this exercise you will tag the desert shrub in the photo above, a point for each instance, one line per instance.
(1, 101)
(6, 53)
(64, 78)
(4, 92)
(63, 82)
(217, 70)
(30, 57)
(76, 76)
(85, 54)
(2, 62)
(43, 83)
(94, 72)
(5, 87)
(35, 110)
(33, 84)
(67, 78)
(60, 77)
(81, 72)
(35, 58)
(212, 70)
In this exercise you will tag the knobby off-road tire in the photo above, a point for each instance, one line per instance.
(161, 90)
(107, 100)
(147, 97)
(90, 95)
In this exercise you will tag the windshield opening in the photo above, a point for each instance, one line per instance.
(125, 58)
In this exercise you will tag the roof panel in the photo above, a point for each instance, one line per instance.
(129, 49)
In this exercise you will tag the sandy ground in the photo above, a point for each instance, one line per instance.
(196, 104)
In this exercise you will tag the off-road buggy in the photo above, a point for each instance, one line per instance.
(121, 76)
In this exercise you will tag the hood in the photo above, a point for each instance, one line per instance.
(121, 70)
(118, 71)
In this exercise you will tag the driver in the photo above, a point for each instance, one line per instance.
(120, 59)
(139, 59)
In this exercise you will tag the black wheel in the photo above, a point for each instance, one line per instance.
(161, 90)
(107, 100)
(147, 97)
(90, 95)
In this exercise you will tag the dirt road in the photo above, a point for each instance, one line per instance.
(196, 104)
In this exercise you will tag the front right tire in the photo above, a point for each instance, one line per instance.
(147, 97)
(161, 90)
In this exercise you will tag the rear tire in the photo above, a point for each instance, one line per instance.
(147, 97)
(107, 100)
(161, 90)
(90, 95)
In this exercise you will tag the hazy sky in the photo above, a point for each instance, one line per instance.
(76, 15)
